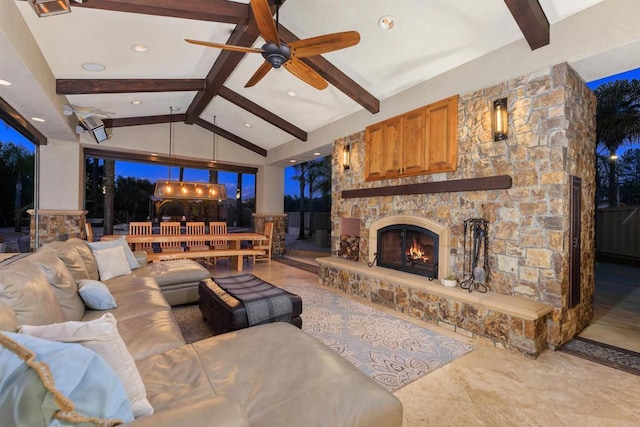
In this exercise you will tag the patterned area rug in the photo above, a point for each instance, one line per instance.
(614, 357)
(391, 351)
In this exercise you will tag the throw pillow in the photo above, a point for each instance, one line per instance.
(101, 335)
(49, 383)
(121, 241)
(70, 256)
(96, 295)
(64, 286)
(112, 262)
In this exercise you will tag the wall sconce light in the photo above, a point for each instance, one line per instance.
(500, 120)
(346, 157)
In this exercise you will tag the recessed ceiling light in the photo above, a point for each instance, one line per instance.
(247, 125)
(37, 119)
(154, 154)
(136, 102)
(386, 22)
(5, 83)
(93, 66)
(316, 154)
(291, 92)
(292, 161)
(139, 48)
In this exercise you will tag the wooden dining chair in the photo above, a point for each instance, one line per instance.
(172, 229)
(89, 230)
(264, 245)
(141, 229)
(196, 228)
(218, 228)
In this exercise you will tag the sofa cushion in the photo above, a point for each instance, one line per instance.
(87, 256)
(8, 319)
(150, 333)
(306, 374)
(49, 383)
(101, 335)
(96, 295)
(121, 242)
(112, 262)
(26, 289)
(70, 256)
(64, 286)
(175, 271)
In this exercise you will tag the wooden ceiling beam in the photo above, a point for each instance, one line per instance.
(224, 11)
(532, 21)
(92, 86)
(147, 120)
(264, 114)
(336, 77)
(226, 63)
(231, 137)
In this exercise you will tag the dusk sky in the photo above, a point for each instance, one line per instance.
(155, 172)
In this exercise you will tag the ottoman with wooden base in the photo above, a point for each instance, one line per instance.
(226, 311)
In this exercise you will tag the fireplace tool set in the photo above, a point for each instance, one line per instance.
(476, 232)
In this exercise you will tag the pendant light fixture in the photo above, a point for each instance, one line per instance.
(168, 189)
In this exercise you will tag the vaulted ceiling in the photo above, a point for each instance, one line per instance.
(430, 37)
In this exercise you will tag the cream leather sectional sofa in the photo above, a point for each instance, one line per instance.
(269, 375)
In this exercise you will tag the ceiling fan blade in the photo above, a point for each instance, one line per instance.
(264, 19)
(225, 46)
(323, 44)
(259, 74)
(305, 73)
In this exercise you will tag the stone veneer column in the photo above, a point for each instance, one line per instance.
(551, 139)
(279, 229)
(56, 225)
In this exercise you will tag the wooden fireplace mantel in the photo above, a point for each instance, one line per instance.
(498, 182)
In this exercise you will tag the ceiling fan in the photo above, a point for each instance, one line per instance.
(278, 54)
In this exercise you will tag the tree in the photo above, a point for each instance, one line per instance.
(319, 179)
(617, 122)
(109, 195)
(132, 199)
(629, 174)
(16, 176)
(301, 177)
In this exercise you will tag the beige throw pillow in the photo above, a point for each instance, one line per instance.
(101, 335)
(112, 262)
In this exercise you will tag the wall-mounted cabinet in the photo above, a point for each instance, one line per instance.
(418, 142)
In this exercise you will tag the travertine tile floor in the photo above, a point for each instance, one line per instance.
(616, 314)
(493, 387)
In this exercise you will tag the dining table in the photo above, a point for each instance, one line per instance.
(234, 240)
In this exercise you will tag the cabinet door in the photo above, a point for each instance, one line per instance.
(392, 148)
(374, 138)
(442, 135)
(414, 142)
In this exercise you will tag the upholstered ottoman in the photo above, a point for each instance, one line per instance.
(225, 312)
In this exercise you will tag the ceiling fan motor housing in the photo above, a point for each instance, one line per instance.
(276, 55)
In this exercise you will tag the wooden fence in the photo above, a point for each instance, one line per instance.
(618, 232)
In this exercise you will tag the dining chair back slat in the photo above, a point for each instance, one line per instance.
(141, 228)
(172, 229)
(196, 228)
(89, 230)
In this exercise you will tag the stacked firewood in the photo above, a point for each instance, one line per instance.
(349, 247)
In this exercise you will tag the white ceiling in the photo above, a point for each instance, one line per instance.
(430, 37)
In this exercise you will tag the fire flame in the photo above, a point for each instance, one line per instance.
(416, 252)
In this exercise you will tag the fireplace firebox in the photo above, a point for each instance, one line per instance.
(408, 248)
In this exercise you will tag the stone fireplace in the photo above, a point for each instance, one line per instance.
(410, 243)
(552, 139)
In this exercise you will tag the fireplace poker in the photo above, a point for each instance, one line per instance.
(478, 238)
